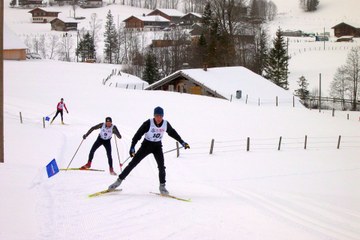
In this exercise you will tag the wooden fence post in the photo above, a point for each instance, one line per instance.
(279, 147)
(43, 122)
(305, 143)
(21, 119)
(339, 140)
(246, 101)
(333, 112)
(212, 146)
(277, 101)
(248, 144)
(293, 101)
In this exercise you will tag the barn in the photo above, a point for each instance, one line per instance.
(345, 29)
(14, 48)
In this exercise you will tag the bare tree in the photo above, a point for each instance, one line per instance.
(95, 26)
(52, 46)
(347, 77)
(64, 47)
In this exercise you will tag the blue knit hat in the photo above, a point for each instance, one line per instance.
(159, 111)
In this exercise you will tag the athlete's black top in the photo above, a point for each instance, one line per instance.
(144, 128)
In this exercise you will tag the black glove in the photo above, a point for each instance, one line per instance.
(132, 152)
(185, 145)
(84, 136)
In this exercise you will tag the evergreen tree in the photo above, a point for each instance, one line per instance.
(151, 72)
(303, 91)
(309, 5)
(276, 69)
(86, 48)
(111, 38)
(261, 54)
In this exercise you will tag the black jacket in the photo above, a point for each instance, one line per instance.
(144, 128)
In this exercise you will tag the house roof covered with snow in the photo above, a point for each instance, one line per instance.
(168, 11)
(224, 82)
(11, 41)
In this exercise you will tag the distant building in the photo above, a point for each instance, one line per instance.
(290, 33)
(63, 25)
(14, 48)
(173, 15)
(151, 23)
(42, 16)
(190, 19)
(344, 29)
(32, 3)
(221, 82)
(91, 3)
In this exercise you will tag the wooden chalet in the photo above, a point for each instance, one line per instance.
(173, 15)
(151, 23)
(14, 48)
(190, 19)
(182, 82)
(344, 29)
(32, 3)
(63, 25)
(42, 16)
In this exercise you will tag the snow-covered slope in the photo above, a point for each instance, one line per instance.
(261, 194)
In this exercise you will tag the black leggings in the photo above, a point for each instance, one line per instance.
(145, 149)
(61, 114)
(107, 144)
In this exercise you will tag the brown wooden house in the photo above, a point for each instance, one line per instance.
(63, 25)
(344, 29)
(151, 23)
(173, 15)
(41, 16)
(190, 19)
(14, 48)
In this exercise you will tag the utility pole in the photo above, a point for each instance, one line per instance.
(2, 82)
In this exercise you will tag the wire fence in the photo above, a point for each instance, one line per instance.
(253, 144)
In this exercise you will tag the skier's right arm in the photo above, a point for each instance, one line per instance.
(138, 135)
(92, 129)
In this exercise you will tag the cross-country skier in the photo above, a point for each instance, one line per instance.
(153, 129)
(107, 129)
(59, 109)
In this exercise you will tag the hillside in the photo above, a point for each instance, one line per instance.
(260, 194)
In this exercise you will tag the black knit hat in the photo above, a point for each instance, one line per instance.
(159, 111)
(108, 119)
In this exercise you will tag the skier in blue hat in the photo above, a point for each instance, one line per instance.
(153, 129)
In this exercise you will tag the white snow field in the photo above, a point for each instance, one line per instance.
(261, 194)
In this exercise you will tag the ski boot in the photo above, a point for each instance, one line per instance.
(86, 166)
(163, 190)
(111, 170)
(115, 184)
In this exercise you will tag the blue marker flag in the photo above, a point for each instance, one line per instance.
(52, 168)
(47, 118)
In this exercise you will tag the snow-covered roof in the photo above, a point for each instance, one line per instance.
(193, 13)
(226, 81)
(66, 20)
(154, 18)
(11, 41)
(171, 12)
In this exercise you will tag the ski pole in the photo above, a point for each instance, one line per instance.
(117, 149)
(121, 164)
(74, 155)
(172, 150)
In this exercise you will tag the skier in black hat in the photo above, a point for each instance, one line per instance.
(104, 138)
(153, 129)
